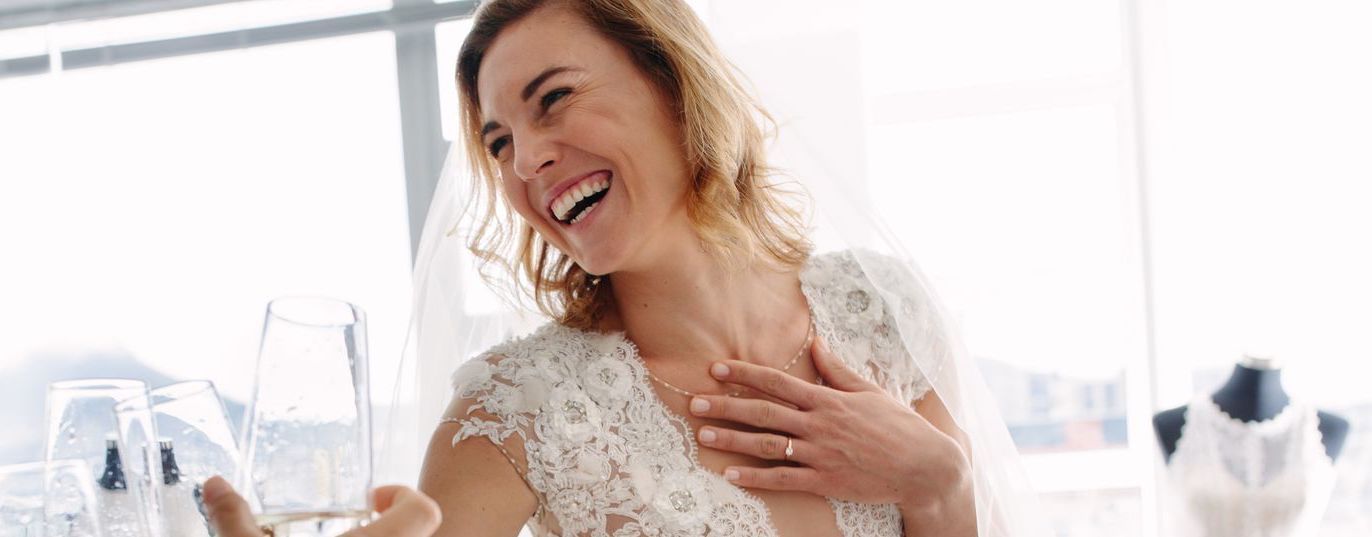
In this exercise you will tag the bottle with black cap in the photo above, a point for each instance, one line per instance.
(113, 476)
(171, 474)
(180, 511)
(118, 510)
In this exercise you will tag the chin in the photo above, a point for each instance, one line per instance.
(595, 266)
(600, 263)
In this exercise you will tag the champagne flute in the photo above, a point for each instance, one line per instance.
(194, 442)
(308, 438)
(52, 499)
(81, 425)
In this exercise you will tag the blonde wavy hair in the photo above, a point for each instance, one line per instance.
(739, 214)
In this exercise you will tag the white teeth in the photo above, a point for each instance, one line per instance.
(583, 214)
(564, 203)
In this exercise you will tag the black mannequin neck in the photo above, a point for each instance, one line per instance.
(1252, 394)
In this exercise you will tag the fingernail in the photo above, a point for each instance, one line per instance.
(719, 370)
(707, 436)
(731, 475)
(700, 406)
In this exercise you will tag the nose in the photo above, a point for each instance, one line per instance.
(534, 154)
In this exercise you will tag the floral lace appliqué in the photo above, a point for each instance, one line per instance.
(605, 457)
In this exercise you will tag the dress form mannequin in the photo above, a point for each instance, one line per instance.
(1252, 393)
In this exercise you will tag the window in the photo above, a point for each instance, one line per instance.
(448, 38)
(1261, 212)
(998, 150)
(150, 210)
(225, 17)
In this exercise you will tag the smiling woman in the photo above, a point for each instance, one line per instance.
(701, 370)
(637, 97)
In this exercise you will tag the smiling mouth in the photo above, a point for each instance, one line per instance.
(572, 207)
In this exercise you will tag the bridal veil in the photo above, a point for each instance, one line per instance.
(803, 58)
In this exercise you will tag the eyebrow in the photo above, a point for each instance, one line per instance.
(528, 91)
(488, 127)
(538, 80)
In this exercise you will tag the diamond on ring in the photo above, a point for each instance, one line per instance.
(790, 449)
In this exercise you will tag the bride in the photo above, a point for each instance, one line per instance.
(704, 371)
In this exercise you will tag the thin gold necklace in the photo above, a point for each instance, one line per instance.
(809, 338)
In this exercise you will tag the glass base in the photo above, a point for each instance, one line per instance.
(312, 523)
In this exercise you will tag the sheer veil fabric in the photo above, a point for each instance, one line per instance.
(804, 62)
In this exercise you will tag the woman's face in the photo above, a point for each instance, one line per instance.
(567, 114)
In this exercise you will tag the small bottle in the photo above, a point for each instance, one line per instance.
(118, 511)
(113, 478)
(171, 475)
(181, 514)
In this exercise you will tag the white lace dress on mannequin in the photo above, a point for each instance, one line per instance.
(575, 414)
(1231, 478)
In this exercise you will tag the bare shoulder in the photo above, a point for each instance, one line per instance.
(475, 464)
(478, 464)
(475, 480)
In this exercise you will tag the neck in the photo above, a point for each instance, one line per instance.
(689, 308)
(1252, 394)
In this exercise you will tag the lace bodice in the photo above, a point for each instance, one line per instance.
(1231, 478)
(575, 414)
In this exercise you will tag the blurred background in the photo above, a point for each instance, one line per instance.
(1117, 198)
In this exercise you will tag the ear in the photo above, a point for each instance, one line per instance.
(835, 372)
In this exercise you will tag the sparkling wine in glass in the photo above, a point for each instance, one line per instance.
(308, 438)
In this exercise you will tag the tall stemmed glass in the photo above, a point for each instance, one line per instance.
(195, 441)
(308, 437)
(81, 425)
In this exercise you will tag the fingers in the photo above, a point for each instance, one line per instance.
(405, 512)
(767, 380)
(835, 371)
(228, 512)
(755, 412)
(761, 445)
(384, 497)
(776, 478)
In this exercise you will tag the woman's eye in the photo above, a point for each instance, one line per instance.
(553, 97)
(499, 144)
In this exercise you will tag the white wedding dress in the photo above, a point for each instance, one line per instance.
(577, 417)
(1231, 478)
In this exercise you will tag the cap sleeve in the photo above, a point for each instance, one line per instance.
(911, 324)
(496, 396)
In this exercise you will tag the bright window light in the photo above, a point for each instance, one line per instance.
(151, 210)
(224, 17)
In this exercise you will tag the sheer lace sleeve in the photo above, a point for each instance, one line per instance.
(913, 308)
(495, 401)
(883, 320)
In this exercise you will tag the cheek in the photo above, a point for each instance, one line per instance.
(516, 195)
